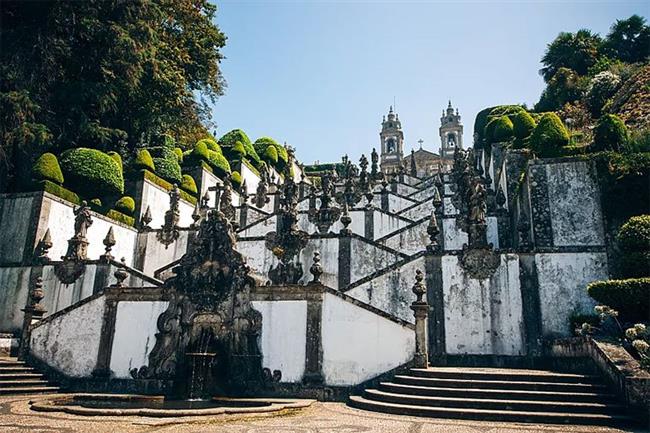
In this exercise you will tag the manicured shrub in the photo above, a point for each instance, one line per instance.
(523, 125)
(231, 138)
(237, 151)
(601, 88)
(116, 156)
(188, 184)
(262, 143)
(96, 203)
(631, 297)
(501, 129)
(201, 152)
(126, 205)
(271, 155)
(143, 161)
(210, 144)
(235, 177)
(214, 159)
(610, 133)
(60, 191)
(91, 172)
(549, 136)
(634, 240)
(179, 154)
(219, 163)
(47, 167)
(118, 216)
(166, 163)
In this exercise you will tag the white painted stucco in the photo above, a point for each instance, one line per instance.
(157, 199)
(284, 335)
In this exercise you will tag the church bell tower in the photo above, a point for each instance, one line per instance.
(451, 132)
(392, 142)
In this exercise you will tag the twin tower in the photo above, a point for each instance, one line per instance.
(392, 144)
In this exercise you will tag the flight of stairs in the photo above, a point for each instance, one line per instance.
(493, 394)
(18, 378)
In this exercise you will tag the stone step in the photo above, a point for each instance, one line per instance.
(489, 414)
(500, 384)
(22, 382)
(11, 362)
(15, 369)
(500, 374)
(458, 392)
(20, 376)
(495, 404)
(29, 390)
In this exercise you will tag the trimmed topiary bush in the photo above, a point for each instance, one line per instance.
(116, 156)
(96, 204)
(631, 297)
(179, 154)
(91, 172)
(271, 155)
(47, 167)
(230, 139)
(126, 205)
(237, 151)
(188, 184)
(144, 161)
(219, 163)
(549, 137)
(634, 240)
(501, 129)
(235, 178)
(262, 143)
(523, 125)
(166, 163)
(210, 144)
(610, 133)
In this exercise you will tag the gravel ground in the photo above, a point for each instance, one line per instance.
(15, 416)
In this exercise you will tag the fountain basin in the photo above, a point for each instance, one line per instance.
(158, 406)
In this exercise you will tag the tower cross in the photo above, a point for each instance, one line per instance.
(420, 141)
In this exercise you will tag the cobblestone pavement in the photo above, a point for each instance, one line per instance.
(15, 416)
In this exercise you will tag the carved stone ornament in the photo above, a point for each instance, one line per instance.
(480, 263)
(73, 265)
(210, 318)
(327, 214)
(169, 233)
(43, 248)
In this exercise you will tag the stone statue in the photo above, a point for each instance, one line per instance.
(478, 203)
(82, 220)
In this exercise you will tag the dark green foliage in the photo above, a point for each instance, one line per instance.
(118, 216)
(96, 204)
(166, 163)
(60, 191)
(271, 155)
(219, 163)
(107, 73)
(549, 137)
(143, 161)
(116, 156)
(629, 40)
(564, 87)
(179, 154)
(610, 133)
(634, 235)
(188, 184)
(523, 125)
(237, 151)
(229, 143)
(126, 205)
(151, 177)
(210, 144)
(575, 51)
(486, 115)
(236, 179)
(631, 297)
(91, 173)
(576, 320)
(262, 143)
(230, 139)
(501, 129)
(214, 159)
(639, 141)
(47, 167)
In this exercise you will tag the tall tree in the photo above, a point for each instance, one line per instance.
(575, 51)
(107, 74)
(629, 40)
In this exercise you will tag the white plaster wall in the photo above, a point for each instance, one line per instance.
(260, 228)
(391, 291)
(385, 224)
(410, 240)
(574, 200)
(14, 284)
(59, 296)
(329, 259)
(563, 279)
(367, 258)
(453, 237)
(492, 232)
(258, 257)
(359, 345)
(447, 189)
(425, 194)
(208, 180)
(158, 255)
(15, 213)
(483, 316)
(70, 343)
(448, 207)
(135, 335)
(405, 190)
(395, 203)
(420, 211)
(284, 336)
(157, 199)
(60, 221)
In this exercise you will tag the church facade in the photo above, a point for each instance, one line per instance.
(425, 162)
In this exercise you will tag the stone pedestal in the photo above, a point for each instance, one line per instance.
(420, 310)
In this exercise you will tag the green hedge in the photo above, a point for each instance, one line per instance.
(610, 133)
(262, 143)
(209, 144)
(549, 137)
(143, 161)
(60, 191)
(271, 155)
(236, 179)
(91, 172)
(230, 140)
(634, 235)
(47, 167)
(118, 216)
(501, 129)
(631, 297)
(523, 125)
(203, 153)
(188, 184)
(116, 156)
(166, 163)
(153, 178)
(179, 154)
(126, 205)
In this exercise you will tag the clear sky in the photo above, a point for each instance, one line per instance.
(320, 74)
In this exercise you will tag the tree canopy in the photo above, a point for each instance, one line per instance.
(105, 74)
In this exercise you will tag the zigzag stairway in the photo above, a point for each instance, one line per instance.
(497, 394)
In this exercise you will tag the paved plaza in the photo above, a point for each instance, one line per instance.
(15, 416)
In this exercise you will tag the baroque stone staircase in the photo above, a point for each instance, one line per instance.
(493, 394)
(18, 378)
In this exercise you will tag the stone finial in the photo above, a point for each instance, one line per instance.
(169, 233)
(433, 231)
(205, 200)
(43, 248)
(146, 218)
(345, 220)
(316, 269)
(437, 201)
(120, 274)
(501, 197)
(419, 288)
(34, 312)
(243, 191)
(109, 243)
(196, 215)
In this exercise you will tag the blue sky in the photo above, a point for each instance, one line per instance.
(320, 74)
